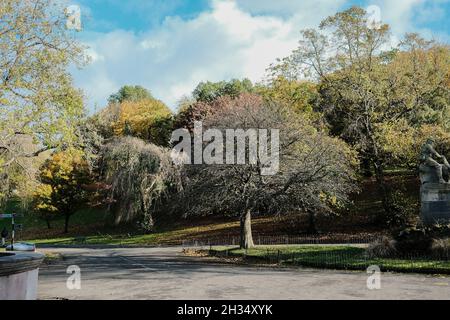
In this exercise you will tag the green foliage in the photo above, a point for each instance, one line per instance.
(37, 98)
(130, 93)
(405, 210)
(301, 96)
(210, 91)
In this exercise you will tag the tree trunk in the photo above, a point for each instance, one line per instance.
(386, 194)
(365, 166)
(66, 223)
(312, 222)
(385, 190)
(246, 230)
(48, 223)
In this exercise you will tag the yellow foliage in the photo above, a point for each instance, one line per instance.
(403, 142)
(138, 116)
(62, 177)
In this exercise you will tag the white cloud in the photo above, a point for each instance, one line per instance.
(407, 16)
(233, 39)
(224, 42)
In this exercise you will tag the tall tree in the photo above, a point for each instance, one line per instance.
(315, 171)
(365, 90)
(209, 91)
(37, 97)
(134, 112)
(64, 178)
(138, 175)
(204, 98)
(130, 93)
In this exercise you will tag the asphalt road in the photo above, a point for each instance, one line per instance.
(164, 273)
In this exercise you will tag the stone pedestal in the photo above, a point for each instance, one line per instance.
(435, 199)
(19, 275)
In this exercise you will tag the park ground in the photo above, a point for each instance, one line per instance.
(166, 273)
(92, 226)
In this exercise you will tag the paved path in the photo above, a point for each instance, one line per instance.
(163, 273)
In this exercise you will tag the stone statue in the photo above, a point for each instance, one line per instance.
(435, 188)
(431, 171)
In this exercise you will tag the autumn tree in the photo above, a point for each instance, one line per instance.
(37, 97)
(366, 91)
(62, 192)
(314, 174)
(133, 111)
(138, 175)
(300, 95)
(204, 98)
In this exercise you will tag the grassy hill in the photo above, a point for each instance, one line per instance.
(94, 225)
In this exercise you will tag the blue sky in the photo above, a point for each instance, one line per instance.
(169, 46)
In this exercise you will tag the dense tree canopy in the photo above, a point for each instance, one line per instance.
(367, 93)
(315, 171)
(210, 91)
(138, 175)
(37, 98)
(134, 112)
(64, 178)
(130, 93)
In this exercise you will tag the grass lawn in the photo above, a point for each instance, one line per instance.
(168, 236)
(333, 257)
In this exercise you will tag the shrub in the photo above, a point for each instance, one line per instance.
(413, 240)
(441, 248)
(382, 248)
(404, 210)
(420, 239)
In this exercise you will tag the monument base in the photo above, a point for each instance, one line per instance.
(435, 203)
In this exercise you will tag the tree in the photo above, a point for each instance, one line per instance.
(364, 91)
(204, 98)
(315, 171)
(62, 191)
(37, 97)
(302, 96)
(130, 93)
(138, 175)
(137, 115)
(143, 119)
(209, 91)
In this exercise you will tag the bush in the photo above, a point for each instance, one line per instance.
(382, 248)
(404, 210)
(420, 239)
(413, 240)
(441, 248)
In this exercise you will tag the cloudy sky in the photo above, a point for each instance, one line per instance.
(169, 46)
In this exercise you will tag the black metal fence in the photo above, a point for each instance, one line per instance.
(335, 253)
(282, 240)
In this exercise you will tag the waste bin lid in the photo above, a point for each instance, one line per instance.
(22, 246)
